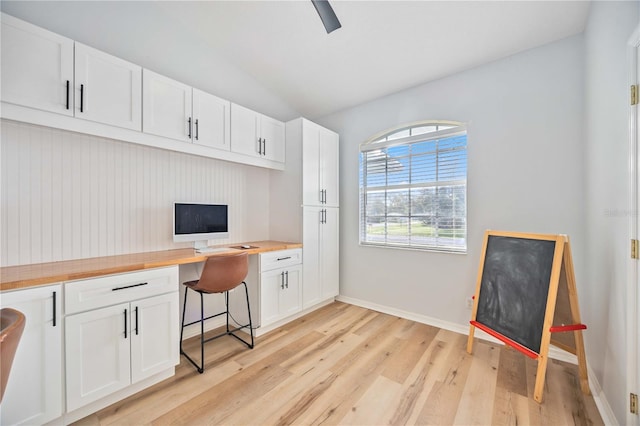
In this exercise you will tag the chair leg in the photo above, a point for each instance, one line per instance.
(184, 311)
(246, 291)
(226, 302)
(200, 368)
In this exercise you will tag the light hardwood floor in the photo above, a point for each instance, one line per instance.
(348, 365)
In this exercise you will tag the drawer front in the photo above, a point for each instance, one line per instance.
(95, 293)
(279, 259)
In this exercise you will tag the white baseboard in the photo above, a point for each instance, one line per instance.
(596, 390)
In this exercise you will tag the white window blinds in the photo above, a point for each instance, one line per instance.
(413, 188)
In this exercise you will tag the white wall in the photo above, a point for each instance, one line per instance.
(142, 33)
(606, 202)
(525, 173)
(68, 196)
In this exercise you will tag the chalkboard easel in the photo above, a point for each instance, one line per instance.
(526, 297)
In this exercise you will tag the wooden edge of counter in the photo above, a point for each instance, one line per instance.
(25, 276)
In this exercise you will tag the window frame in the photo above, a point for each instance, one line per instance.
(381, 141)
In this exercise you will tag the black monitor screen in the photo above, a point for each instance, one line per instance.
(200, 218)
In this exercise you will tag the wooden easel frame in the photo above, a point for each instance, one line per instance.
(562, 283)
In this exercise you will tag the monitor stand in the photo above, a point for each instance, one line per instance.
(201, 245)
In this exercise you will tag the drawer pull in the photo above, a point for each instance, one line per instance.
(125, 323)
(128, 286)
(283, 258)
(55, 314)
(136, 320)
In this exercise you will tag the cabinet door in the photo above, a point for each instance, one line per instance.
(107, 89)
(154, 335)
(244, 131)
(97, 354)
(328, 155)
(270, 283)
(272, 133)
(37, 67)
(311, 284)
(329, 248)
(166, 107)
(311, 187)
(34, 390)
(291, 296)
(212, 120)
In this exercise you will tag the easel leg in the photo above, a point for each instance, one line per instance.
(582, 363)
(575, 314)
(540, 376)
(470, 339)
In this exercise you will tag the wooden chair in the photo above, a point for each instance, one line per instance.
(219, 275)
(12, 325)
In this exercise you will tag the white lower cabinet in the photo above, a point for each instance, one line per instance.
(321, 247)
(281, 294)
(34, 391)
(97, 354)
(280, 285)
(109, 348)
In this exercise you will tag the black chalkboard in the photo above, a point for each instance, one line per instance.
(514, 287)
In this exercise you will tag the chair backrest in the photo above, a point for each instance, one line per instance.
(11, 324)
(222, 273)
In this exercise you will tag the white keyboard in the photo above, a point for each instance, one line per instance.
(213, 249)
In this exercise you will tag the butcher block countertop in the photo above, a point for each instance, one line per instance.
(24, 276)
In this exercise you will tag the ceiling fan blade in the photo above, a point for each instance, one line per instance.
(327, 15)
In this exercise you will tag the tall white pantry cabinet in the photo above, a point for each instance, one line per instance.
(305, 206)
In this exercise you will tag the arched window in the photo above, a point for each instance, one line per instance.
(413, 187)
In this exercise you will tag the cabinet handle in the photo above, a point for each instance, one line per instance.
(264, 146)
(260, 146)
(321, 194)
(67, 94)
(125, 323)
(286, 274)
(136, 320)
(325, 196)
(55, 314)
(189, 121)
(197, 132)
(128, 286)
(283, 258)
(82, 98)
(282, 280)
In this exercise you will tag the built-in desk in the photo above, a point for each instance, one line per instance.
(24, 276)
(114, 344)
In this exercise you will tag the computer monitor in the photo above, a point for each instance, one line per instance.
(200, 223)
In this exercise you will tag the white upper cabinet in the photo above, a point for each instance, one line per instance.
(256, 134)
(272, 133)
(37, 67)
(212, 120)
(320, 166)
(166, 107)
(52, 81)
(244, 131)
(107, 89)
(177, 111)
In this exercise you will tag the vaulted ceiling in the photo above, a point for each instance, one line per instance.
(382, 47)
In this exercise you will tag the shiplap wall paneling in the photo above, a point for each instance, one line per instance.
(69, 196)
